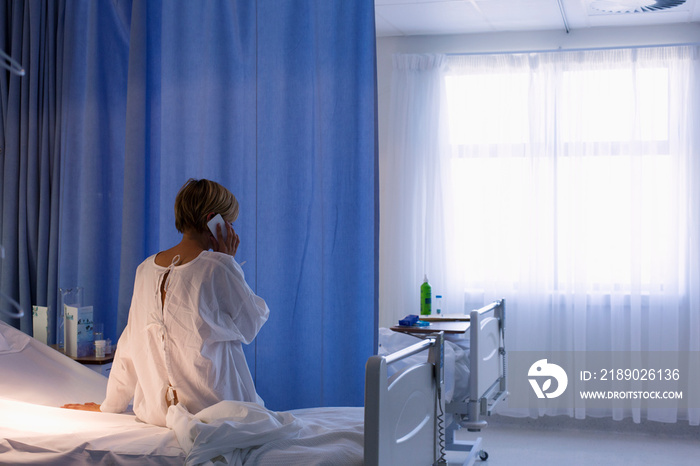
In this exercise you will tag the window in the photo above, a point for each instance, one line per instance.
(567, 177)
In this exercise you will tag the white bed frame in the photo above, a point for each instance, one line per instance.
(405, 413)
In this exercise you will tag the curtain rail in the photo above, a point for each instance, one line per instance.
(580, 49)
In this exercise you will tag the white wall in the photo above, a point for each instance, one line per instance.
(518, 42)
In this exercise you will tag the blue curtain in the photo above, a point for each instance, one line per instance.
(91, 155)
(316, 199)
(62, 152)
(275, 100)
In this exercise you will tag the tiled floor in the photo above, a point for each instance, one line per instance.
(516, 442)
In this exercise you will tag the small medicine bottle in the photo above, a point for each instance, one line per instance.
(438, 304)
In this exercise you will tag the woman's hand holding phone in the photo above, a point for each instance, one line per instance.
(227, 240)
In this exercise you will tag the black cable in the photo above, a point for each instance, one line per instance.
(441, 434)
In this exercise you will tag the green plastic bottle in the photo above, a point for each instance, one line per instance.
(425, 298)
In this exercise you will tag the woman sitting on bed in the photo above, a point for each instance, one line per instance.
(190, 313)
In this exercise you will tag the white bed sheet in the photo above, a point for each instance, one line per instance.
(35, 380)
(35, 434)
(246, 433)
(36, 373)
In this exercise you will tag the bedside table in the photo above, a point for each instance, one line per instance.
(100, 365)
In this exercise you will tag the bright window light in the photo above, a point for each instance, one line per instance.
(607, 105)
(476, 108)
(599, 192)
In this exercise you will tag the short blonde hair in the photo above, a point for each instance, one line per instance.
(199, 198)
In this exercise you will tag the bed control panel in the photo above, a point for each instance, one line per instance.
(436, 357)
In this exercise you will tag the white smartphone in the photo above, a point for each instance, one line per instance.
(217, 220)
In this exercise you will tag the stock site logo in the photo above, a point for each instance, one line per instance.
(542, 370)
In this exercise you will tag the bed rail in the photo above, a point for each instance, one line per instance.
(409, 351)
(404, 412)
(483, 397)
(487, 379)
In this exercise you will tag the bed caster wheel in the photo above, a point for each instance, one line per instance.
(483, 455)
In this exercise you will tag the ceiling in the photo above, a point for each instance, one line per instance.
(424, 17)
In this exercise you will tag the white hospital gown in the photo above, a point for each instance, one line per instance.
(192, 342)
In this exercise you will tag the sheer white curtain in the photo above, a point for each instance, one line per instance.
(414, 174)
(575, 196)
(583, 166)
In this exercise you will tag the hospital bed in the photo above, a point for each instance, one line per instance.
(35, 380)
(407, 418)
(402, 420)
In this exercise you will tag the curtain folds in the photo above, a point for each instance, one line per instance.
(415, 179)
(91, 154)
(316, 191)
(576, 199)
(30, 136)
(134, 98)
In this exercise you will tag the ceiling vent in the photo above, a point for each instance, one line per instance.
(633, 6)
